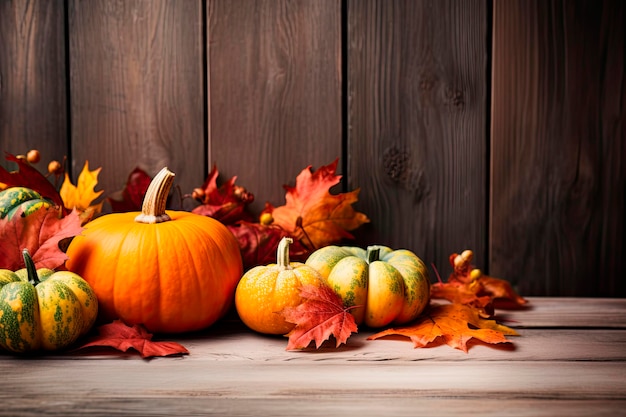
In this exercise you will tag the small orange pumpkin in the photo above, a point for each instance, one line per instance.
(265, 290)
(172, 271)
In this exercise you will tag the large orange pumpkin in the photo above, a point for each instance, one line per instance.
(172, 271)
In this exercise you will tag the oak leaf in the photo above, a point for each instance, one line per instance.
(82, 195)
(450, 324)
(315, 216)
(130, 198)
(122, 337)
(40, 233)
(320, 315)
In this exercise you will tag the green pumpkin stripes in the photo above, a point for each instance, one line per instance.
(14, 198)
(43, 309)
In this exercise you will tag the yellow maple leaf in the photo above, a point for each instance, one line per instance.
(82, 195)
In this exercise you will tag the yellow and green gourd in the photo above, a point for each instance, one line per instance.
(43, 309)
(387, 286)
(14, 198)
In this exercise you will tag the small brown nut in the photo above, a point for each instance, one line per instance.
(33, 156)
(55, 167)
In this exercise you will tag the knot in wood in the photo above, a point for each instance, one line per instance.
(395, 163)
(427, 81)
(455, 98)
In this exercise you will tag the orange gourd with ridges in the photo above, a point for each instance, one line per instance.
(386, 286)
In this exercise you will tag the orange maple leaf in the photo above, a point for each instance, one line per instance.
(498, 288)
(82, 195)
(460, 293)
(320, 315)
(449, 324)
(313, 215)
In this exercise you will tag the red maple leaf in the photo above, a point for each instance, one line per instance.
(119, 336)
(258, 243)
(131, 197)
(320, 315)
(226, 203)
(29, 177)
(40, 233)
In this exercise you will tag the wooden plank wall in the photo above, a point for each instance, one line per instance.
(491, 125)
(274, 91)
(558, 146)
(33, 88)
(136, 77)
(418, 105)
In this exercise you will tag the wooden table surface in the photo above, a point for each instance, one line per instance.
(569, 360)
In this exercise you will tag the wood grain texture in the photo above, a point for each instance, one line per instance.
(137, 90)
(32, 80)
(243, 388)
(541, 201)
(417, 134)
(274, 91)
(233, 371)
(558, 181)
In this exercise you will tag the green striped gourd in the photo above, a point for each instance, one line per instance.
(14, 198)
(43, 309)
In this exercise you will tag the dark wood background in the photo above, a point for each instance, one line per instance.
(491, 125)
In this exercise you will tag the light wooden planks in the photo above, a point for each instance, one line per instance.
(274, 91)
(170, 387)
(313, 404)
(594, 345)
(233, 371)
(417, 91)
(569, 312)
(32, 80)
(137, 90)
(558, 147)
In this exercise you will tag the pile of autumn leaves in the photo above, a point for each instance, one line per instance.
(312, 217)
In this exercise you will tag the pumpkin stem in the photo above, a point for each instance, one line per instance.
(30, 267)
(153, 208)
(373, 254)
(282, 253)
